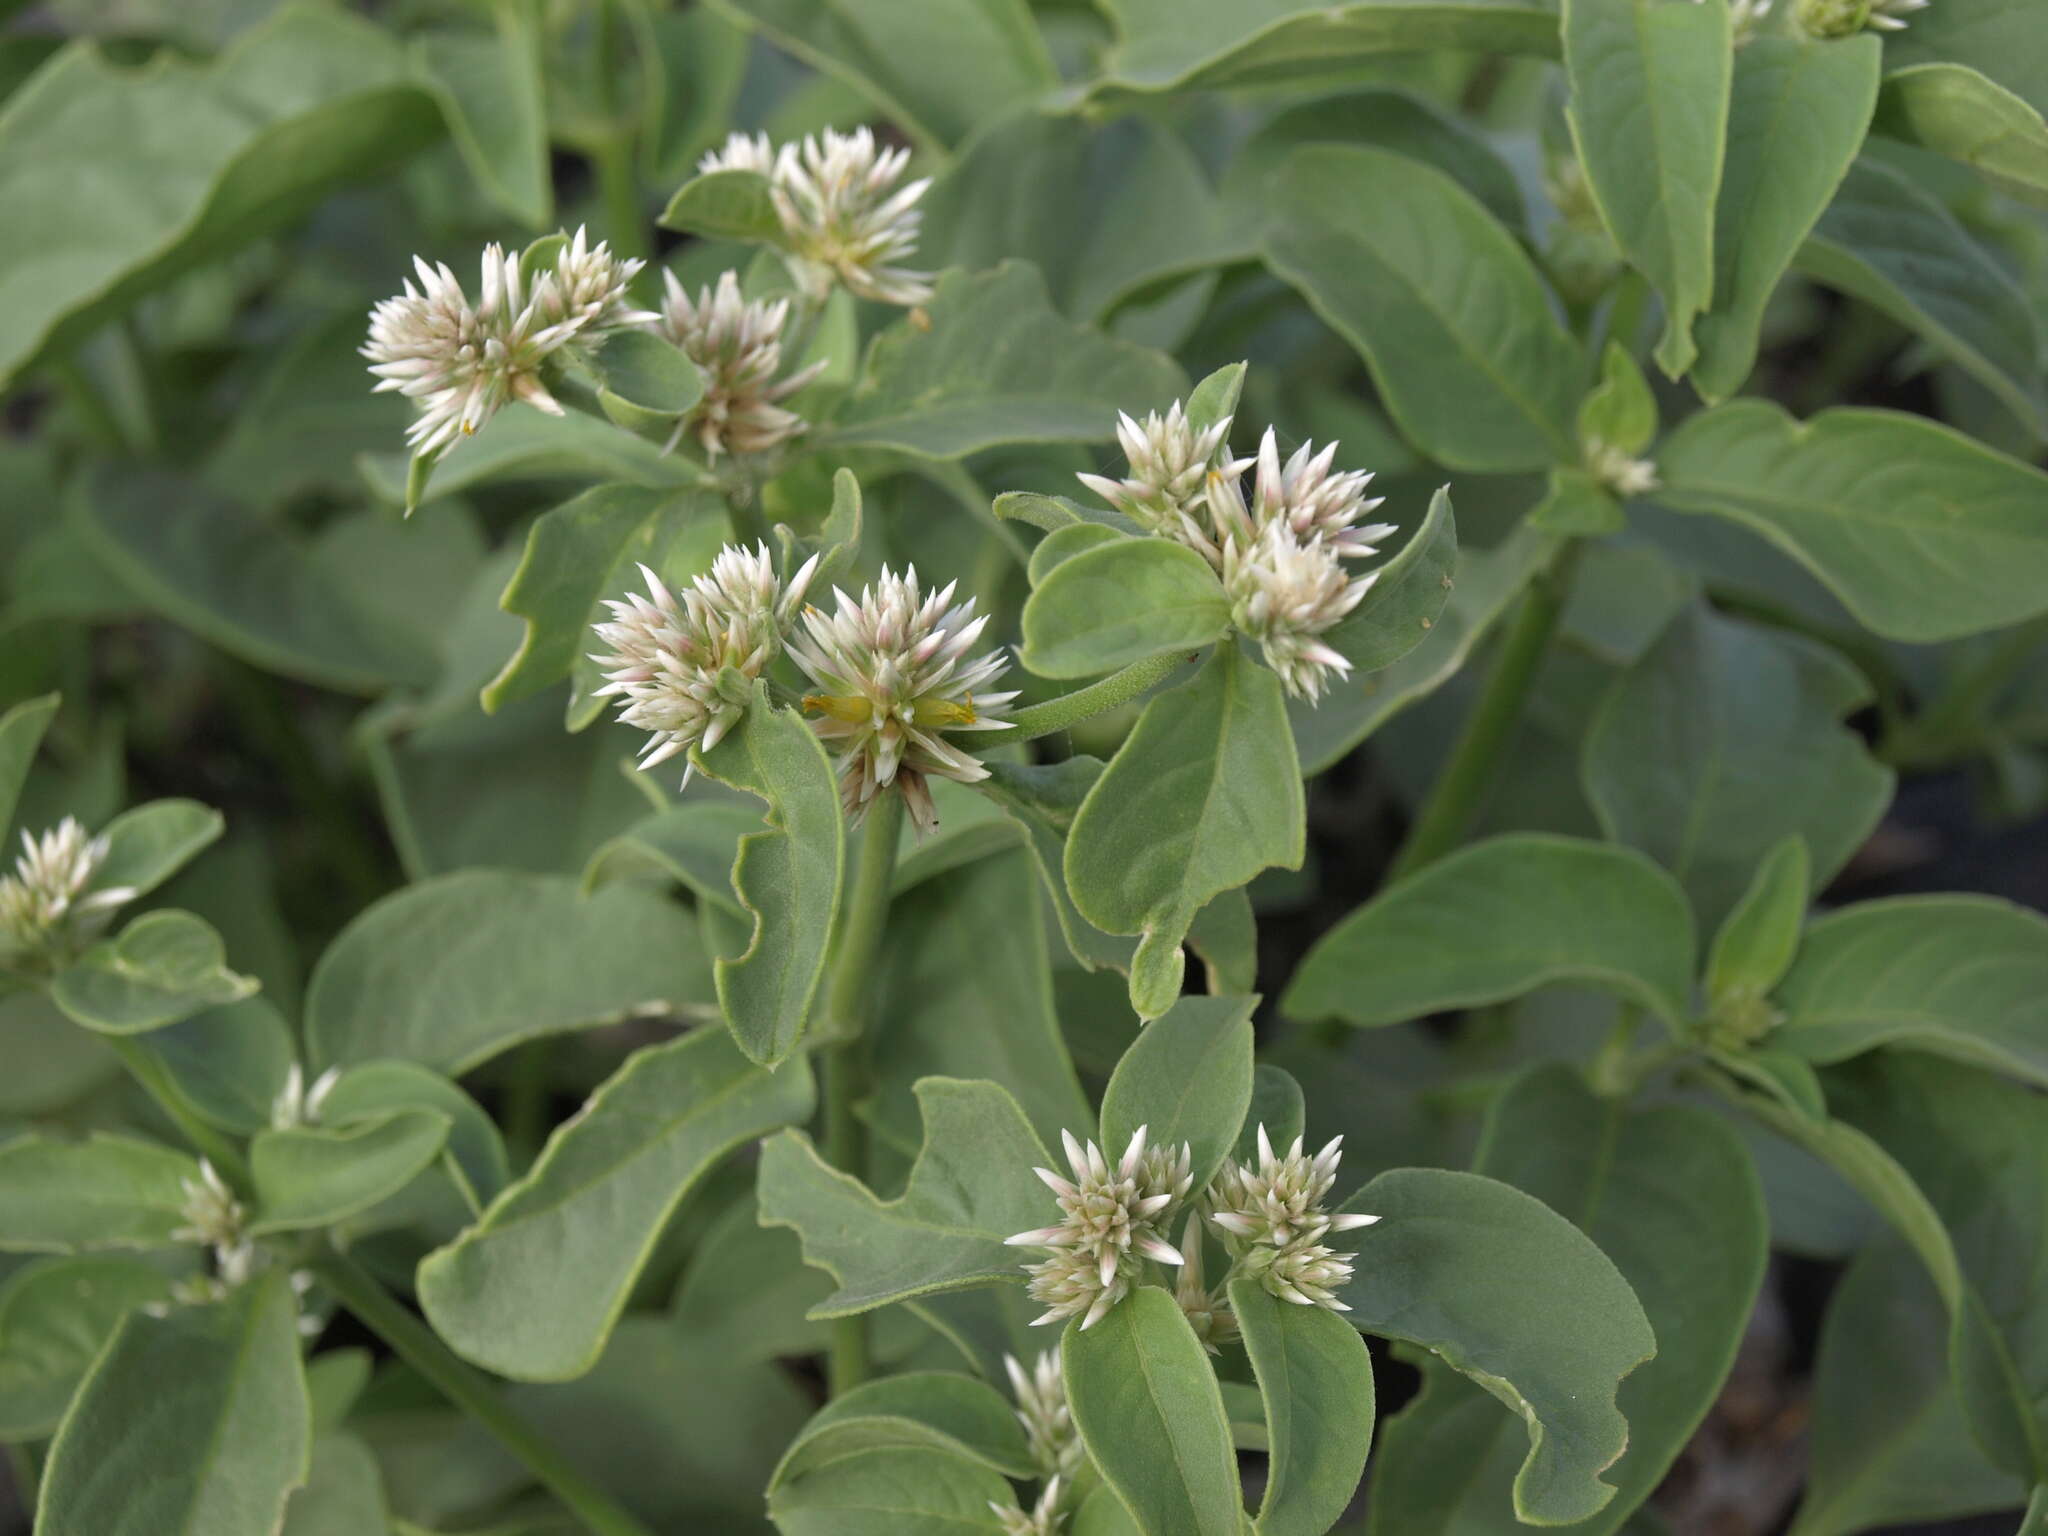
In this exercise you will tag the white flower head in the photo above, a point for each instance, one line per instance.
(682, 666)
(591, 290)
(212, 1214)
(738, 346)
(1041, 1395)
(48, 906)
(1307, 1274)
(741, 152)
(296, 1104)
(1285, 593)
(893, 676)
(843, 217)
(1109, 1216)
(1169, 464)
(1046, 1518)
(1278, 1201)
(1620, 472)
(1208, 1312)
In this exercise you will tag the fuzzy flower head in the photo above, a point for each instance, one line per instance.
(1109, 1216)
(1046, 1518)
(590, 290)
(1169, 464)
(741, 152)
(1621, 473)
(1286, 592)
(46, 905)
(1208, 1312)
(1041, 1395)
(1307, 1274)
(738, 346)
(892, 676)
(682, 667)
(844, 218)
(1845, 18)
(213, 1216)
(1278, 1201)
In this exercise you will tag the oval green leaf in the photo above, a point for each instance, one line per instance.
(1121, 602)
(1315, 1378)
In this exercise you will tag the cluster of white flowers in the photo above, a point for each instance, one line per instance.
(1054, 1442)
(1622, 473)
(215, 1219)
(297, 1103)
(683, 668)
(1270, 1214)
(1828, 18)
(1111, 1215)
(844, 220)
(461, 363)
(893, 676)
(738, 346)
(46, 906)
(1281, 555)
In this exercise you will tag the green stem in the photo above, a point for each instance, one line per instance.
(212, 1144)
(1070, 709)
(1468, 774)
(846, 998)
(618, 178)
(419, 1347)
(1608, 1070)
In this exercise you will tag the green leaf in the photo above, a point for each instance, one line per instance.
(692, 843)
(1408, 596)
(1203, 795)
(1796, 118)
(1577, 505)
(227, 1065)
(343, 1494)
(21, 732)
(1960, 976)
(786, 876)
(1187, 1078)
(1316, 1379)
(725, 205)
(1120, 602)
(1514, 1296)
(1893, 245)
(971, 1414)
(1922, 533)
(1437, 297)
(876, 1487)
(997, 364)
(1889, 1444)
(188, 162)
(970, 1188)
(103, 1192)
(1145, 1403)
(1550, 909)
(938, 67)
(1668, 1192)
(1619, 411)
(1056, 513)
(452, 971)
(648, 382)
(491, 92)
(1649, 112)
(163, 967)
(1724, 738)
(55, 1317)
(1957, 111)
(520, 444)
(583, 552)
(533, 1289)
(374, 1089)
(1061, 544)
(193, 1422)
(1754, 945)
(149, 844)
(310, 1176)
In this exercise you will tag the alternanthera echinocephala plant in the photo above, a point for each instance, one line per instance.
(1030, 778)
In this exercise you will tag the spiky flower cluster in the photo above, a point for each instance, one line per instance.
(1045, 1518)
(1280, 555)
(1622, 473)
(47, 907)
(1111, 1216)
(892, 677)
(1207, 1311)
(1054, 1442)
(843, 217)
(1271, 1216)
(738, 346)
(1844, 18)
(461, 363)
(683, 668)
(215, 1219)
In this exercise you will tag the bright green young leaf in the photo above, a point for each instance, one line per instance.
(149, 844)
(1316, 1379)
(970, 1413)
(787, 877)
(1889, 1444)
(491, 92)
(1796, 118)
(163, 967)
(970, 1188)
(193, 1422)
(1187, 1078)
(1893, 245)
(1724, 738)
(1123, 601)
(1960, 976)
(533, 1290)
(310, 1176)
(1145, 1403)
(375, 1089)
(103, 1192)
(1619, 411)
(1551, 909)
(451, 971)
(21, 732)
(1924, 534)
(997, 364)
(583, 552)
(55, 1317)
(1439, 299)
(1754, 945)
(343, 1494)
(725, 205)
(1203, 795)
(1957, 111)
(1517, 1298)
(1649, 113)
(187, 161)
(1063, 543)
